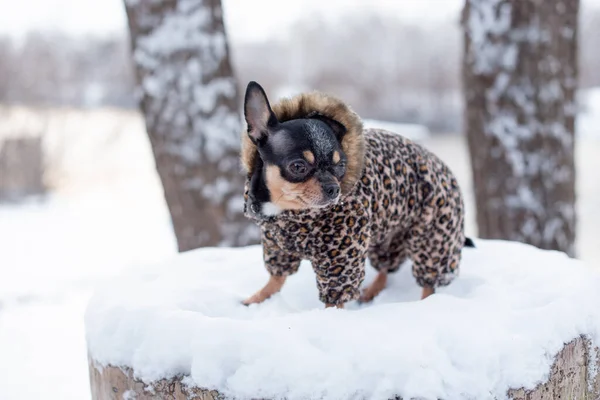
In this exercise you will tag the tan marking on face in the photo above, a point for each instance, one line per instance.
(292, 196)
(310, 157)
(336, 157)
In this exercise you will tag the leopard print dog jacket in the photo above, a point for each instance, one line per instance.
(399, 201)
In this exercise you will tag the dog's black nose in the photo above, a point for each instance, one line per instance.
(332, 190)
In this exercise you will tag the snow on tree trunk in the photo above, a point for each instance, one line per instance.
(189, 99)
(520, 78)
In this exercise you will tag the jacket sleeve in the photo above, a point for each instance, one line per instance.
(277, 261)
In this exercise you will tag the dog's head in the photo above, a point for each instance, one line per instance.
(301, 161)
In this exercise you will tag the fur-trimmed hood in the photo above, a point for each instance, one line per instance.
(306, 104)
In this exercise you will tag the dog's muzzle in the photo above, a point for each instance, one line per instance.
(330, 187)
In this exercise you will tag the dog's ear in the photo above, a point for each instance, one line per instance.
(338, 129)
(257, 112)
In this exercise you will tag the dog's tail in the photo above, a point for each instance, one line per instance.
(469, 243)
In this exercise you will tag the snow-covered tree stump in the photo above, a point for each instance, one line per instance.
(520, 323)
(574, 375)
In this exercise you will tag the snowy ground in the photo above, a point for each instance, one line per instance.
(111, 217)
(52, 255)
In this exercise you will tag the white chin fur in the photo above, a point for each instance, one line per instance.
(270, 209)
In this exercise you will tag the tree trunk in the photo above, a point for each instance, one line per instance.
(189, 99)
(574, 375)
(520, 79)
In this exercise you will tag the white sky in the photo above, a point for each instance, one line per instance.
(246, 19)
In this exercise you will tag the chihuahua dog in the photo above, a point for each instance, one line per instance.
(324, 189)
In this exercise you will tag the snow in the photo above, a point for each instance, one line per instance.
(43, 349)
(72, 234)
(498, 326)
(178, 32)
(588, 120)
(490, 18)
(52, 255)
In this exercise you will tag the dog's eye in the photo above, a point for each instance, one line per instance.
(341, 166)
(298, 167)
(339, 169)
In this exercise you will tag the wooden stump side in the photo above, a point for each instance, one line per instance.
(594, 372)
(114, 383)
(575, 375)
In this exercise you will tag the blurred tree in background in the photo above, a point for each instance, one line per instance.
(387, 66)
(189, 99)
(520, 78)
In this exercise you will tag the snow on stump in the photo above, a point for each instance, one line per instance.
(519, 323)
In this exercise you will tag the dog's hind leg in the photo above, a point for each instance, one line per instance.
(371, 291)
(436, 257)
(427, 291)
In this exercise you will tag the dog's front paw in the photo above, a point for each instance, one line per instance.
(256, 298)
(273, 286)
(374, 288)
